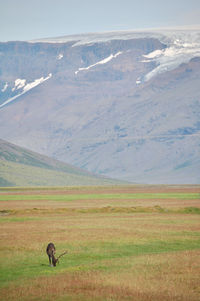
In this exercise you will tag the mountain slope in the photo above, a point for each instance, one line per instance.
(124, 105)
(21, 167)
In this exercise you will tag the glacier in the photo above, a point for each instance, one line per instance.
(171, 57)
(183, 44)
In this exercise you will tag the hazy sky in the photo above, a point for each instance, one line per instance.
(32, 19)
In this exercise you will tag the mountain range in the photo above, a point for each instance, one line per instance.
(120, 104)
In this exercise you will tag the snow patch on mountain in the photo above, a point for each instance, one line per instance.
(5, 87)
(21, 84)
(60, 56)
(104, 61)
(138, 81)
(36, 82)
(153, 55)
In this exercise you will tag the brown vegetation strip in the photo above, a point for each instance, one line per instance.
(105, 190)
(107, 209)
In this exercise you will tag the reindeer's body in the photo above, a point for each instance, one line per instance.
(51, 251)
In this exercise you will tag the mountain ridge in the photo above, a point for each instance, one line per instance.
(100, 111)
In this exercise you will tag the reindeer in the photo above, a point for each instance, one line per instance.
(51, 251)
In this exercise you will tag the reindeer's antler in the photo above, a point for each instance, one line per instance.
(62, 254)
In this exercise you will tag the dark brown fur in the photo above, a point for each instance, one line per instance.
(51, 250)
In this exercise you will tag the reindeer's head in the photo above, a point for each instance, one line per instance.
(54, 261)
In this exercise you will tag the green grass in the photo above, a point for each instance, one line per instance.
(8, 219)
(118, 196)
(26, 264)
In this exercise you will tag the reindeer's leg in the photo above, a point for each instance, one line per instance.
(49, 259)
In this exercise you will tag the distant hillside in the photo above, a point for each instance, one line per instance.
(21, 167)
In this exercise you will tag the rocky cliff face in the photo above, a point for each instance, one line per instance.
(29, 62)
(118, 105)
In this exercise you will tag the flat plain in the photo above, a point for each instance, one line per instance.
(131, 242)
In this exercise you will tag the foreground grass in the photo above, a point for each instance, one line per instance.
(153, 277)
(113, 254)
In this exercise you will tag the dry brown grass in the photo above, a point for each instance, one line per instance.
(103, 189)
(76, 228)
(154, 277)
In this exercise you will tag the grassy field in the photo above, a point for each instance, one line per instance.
(124, 243)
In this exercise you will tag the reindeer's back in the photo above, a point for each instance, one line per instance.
(51, 249)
